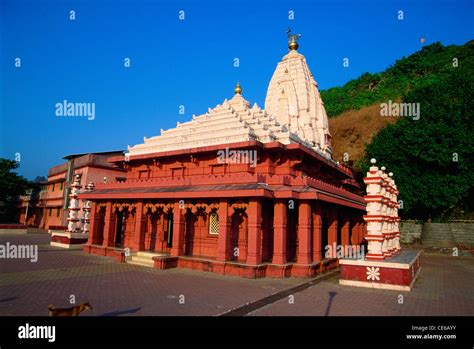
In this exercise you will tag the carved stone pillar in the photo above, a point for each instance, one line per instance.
(140, 220)
(279, 229)
(317, 232)
(254, 214)
(73, 217)
(178, 230)
(304, 233)
(345, 226)
(223, 242)
(109, 226)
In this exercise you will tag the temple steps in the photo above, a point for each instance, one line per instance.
(151, 254)
(144, 259)
(149, 263)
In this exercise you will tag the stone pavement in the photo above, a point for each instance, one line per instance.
(443, 288)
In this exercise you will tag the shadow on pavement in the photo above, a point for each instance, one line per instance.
(332, 294)
(7, 299)
(121, 312)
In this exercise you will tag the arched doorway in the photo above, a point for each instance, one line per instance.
(196, 232)
(169, 229)
(158, 235)
(119, 228)
(152, 233)
(238, 236)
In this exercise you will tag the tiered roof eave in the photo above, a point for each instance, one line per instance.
(230, 122)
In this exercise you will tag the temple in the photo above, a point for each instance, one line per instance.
(238, 190)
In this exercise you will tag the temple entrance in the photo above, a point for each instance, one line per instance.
(119, 229)
(238, 236)
(158, 236)
(189, 241)
(152, 235)
(169, 231)
(196, 233)
(155, 223)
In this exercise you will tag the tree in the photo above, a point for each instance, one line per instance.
(432, 158)
(11, 187)
(40, 179)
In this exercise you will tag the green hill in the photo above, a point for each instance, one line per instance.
(432, 156)
(430, 64)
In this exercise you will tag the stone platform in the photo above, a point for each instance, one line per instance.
(394, 273)
(13, 229)
(65, 239)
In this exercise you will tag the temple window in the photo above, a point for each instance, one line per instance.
(177, 172)
(213, 224)
(217, 169)
(144, 174)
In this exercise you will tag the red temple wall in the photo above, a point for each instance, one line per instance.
(239, 237)
(156, 232)
(129, 234)
(202, 164)
(325, 221)
(198, 240)
(269, 233)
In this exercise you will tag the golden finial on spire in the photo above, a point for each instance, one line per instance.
(292, 44)
(238, 89)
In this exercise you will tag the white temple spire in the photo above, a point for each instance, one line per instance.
(293, 99)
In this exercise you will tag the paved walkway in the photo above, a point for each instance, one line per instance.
(444, 288)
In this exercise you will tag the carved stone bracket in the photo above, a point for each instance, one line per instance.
(239, 205)
(121, 206)
(155, 207)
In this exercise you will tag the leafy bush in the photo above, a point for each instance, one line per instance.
(428, 65)
(422, 153)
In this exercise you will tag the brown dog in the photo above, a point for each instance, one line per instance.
(72, 311)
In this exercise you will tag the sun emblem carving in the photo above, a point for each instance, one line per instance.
(373, 273)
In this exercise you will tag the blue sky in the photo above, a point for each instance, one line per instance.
(175, 62)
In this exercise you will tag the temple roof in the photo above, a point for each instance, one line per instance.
(232, 121)
(294, 114)
(293, 98)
